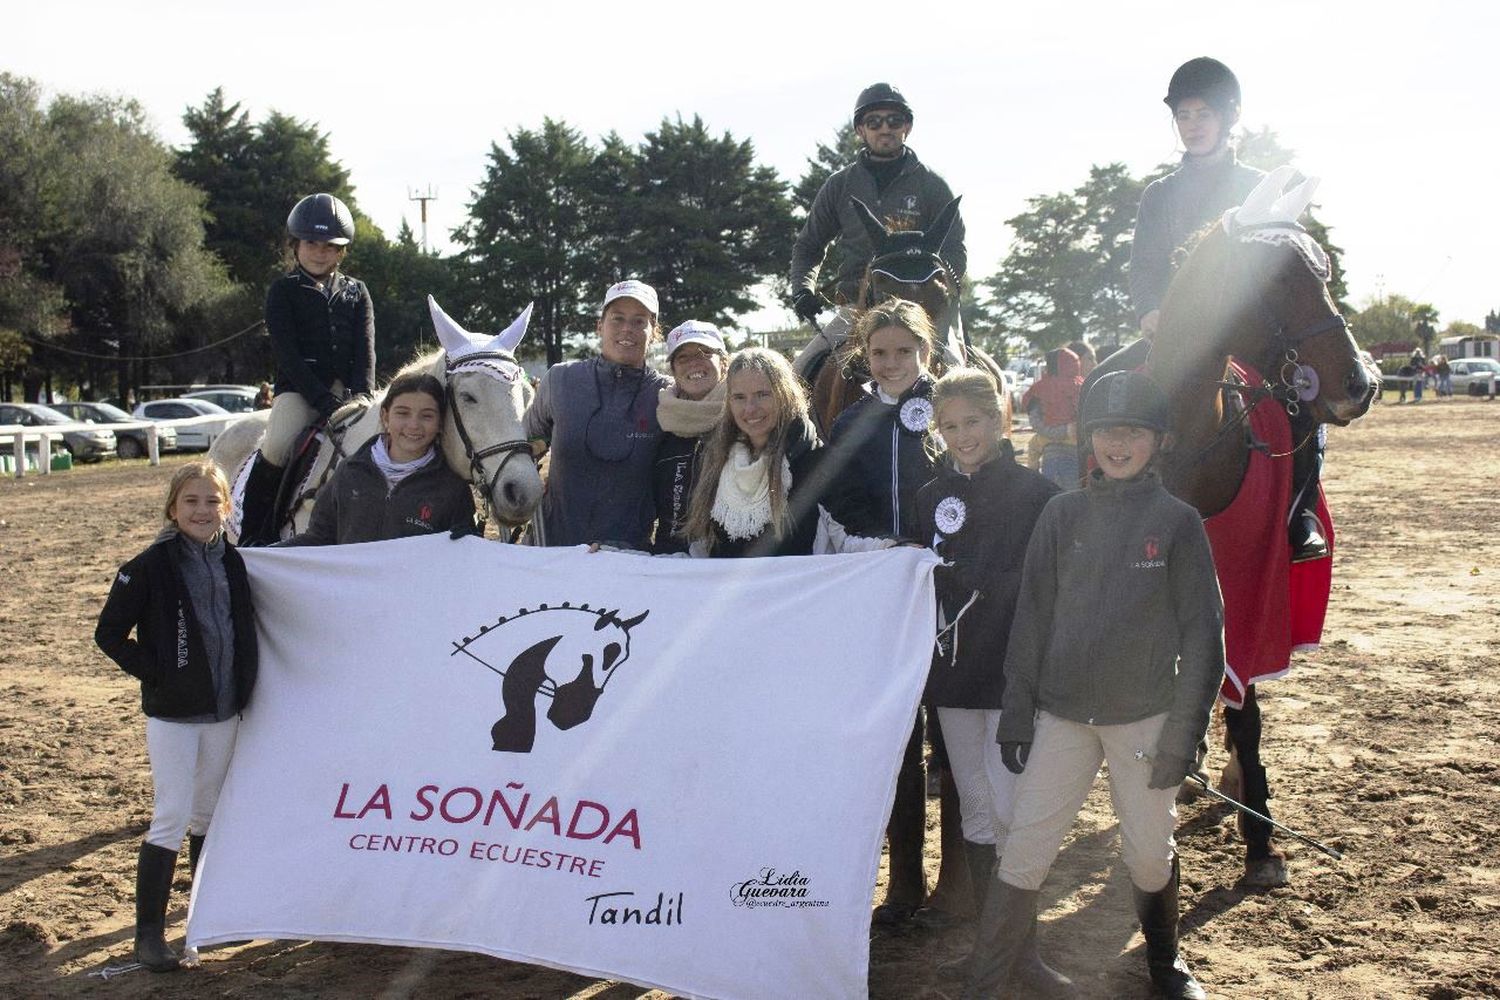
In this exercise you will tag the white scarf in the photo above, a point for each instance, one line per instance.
(742, 503)
(690, 417)
(395, 471)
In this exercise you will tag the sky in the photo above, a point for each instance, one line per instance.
(1393, 106)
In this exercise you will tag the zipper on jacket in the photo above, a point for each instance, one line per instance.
(896, 476)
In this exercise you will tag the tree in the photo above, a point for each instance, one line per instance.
(706, 223)
(252, 175)
(1424, 319)
(1064, 277)
(1390, 320)
(532, 234)
(404, 276)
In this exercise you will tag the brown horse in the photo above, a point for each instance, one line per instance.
(1253, 289)
(907, 264)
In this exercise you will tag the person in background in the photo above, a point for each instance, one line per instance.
(1051, 405)
(187, 600)
(596, 419)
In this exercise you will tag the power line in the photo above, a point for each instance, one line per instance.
(144, 357)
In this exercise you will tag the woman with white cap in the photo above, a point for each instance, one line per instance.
(687, 410)
(597, 419)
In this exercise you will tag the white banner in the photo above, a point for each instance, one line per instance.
(674, 772)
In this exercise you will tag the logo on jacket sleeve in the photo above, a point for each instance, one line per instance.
(565, 653)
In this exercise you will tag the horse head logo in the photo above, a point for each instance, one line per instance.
(564, 653)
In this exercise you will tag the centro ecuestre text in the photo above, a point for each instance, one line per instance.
(511, 807)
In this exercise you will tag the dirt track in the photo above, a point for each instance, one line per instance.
(1383, 744)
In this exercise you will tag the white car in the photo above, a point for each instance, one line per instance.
(234, 398)
(185, 415)
(1473, 375)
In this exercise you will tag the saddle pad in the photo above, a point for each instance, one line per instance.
(1272, 606)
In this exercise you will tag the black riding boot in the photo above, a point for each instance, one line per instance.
(1306, 533)
(981, 858)
(153, 884)
(1158, 915)
(906, 888)
(1007, 923)
(257, 508)
(195, 849)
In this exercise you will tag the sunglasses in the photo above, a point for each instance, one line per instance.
(893, 120)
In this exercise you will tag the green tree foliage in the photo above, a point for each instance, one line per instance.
(404, 276)
(1392, 320)
(706, 223)
(103, 229)
(252, 175)
(556, 220)
(533, 235)
(1064, 277)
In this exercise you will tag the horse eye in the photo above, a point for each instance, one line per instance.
(468, 397)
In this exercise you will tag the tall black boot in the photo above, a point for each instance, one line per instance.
(153, 884)
(1006, 924)
(906, 888)
(1306, 533)
(195, 849)
(1158, 915)
(257, 508)
(981, 858)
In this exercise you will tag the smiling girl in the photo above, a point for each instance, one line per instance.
(977, 514)
(187, 599)
(398, 483)
(757, 492)
(687, 411)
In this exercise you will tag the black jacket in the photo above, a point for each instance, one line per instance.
(358, 504)
(319, 340)
(1001, 504)
(167, 653)
(875, 465)
(912, 200)
(672, 479)
(808, 487)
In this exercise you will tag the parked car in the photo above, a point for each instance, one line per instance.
(85, 446)
(234, 398)
(195, 436)
(1472, 375)
(131, 441)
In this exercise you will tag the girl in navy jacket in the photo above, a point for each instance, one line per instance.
(187, 599)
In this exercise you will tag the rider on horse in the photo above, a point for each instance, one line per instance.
(887, 176)
(1204, 96)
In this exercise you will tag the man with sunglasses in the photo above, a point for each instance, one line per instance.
(887, 176)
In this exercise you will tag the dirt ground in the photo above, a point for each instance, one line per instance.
(1383, 744)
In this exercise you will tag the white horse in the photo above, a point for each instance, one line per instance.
(488, 393)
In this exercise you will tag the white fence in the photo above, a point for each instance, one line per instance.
(20, 436)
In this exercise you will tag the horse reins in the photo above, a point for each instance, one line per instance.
(476, 456)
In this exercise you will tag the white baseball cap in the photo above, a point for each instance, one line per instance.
(695, 332)
(632, 289)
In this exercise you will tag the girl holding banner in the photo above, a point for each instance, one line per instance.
(187, 599)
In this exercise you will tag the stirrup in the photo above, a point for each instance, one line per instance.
(1313, 543)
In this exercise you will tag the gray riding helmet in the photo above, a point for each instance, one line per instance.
(1130, 399)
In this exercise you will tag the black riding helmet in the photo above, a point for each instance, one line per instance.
(1208, 79)
(321, 218)
(880, 95)
(1130, 399)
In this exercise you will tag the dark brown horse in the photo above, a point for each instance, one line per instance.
(1253, 289)
(907, 264)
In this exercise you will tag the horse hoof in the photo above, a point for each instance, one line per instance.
(1265, 873)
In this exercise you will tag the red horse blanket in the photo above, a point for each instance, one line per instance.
(1272, 606)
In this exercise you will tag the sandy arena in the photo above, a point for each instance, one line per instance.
(1383, 744)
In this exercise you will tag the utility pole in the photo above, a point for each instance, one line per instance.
(413, 195)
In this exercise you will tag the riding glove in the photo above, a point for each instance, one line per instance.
(1168, 770)
(1014, 756)
(806, 303)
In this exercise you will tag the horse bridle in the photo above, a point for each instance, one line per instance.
(477, 456)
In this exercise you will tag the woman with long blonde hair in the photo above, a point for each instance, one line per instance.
(757, 492)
